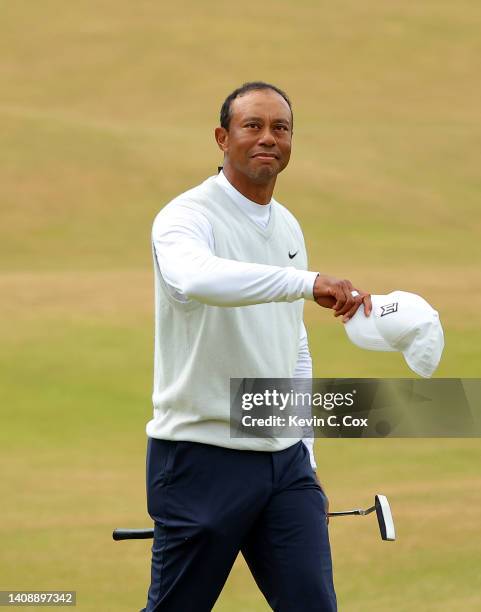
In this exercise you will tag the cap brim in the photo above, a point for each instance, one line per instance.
(424, 352)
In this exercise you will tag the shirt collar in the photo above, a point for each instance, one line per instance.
(260, 213)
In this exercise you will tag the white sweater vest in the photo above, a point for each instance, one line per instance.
(199, 347)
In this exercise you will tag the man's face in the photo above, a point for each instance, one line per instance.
(257, 145)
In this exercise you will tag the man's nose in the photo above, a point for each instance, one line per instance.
(267, 138)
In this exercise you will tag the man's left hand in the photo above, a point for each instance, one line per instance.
(341, 296)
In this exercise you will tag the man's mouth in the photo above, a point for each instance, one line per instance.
(265, 156)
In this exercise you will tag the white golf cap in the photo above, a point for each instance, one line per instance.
(400, 321)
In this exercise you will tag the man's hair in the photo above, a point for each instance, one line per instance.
(225, 111)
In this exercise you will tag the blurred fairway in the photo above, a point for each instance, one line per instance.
(107, 111)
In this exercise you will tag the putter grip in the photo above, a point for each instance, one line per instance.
(132, 534)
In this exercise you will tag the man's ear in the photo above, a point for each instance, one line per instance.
(222, 138)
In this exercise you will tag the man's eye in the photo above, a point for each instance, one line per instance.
(281, 127)
(252, 125)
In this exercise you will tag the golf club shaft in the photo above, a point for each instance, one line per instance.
(144, 534)
(132, 534)
(359, 512)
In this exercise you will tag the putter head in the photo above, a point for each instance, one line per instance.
(384, 518)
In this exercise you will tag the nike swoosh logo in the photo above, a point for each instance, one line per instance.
(293, 255)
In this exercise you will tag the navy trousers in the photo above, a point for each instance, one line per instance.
(209, 503)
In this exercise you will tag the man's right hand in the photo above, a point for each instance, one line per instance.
(331, 292)
(326, 499)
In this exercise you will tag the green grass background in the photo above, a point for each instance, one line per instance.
(107, 111)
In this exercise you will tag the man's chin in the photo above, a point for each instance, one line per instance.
(264, 174)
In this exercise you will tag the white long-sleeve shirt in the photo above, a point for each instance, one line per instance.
(184, 248)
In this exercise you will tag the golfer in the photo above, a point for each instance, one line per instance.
(230, 282)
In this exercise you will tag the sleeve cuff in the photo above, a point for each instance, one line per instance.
(309, 280)
(309, 443)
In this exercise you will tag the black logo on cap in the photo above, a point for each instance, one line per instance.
(293, 255)
(389, 309)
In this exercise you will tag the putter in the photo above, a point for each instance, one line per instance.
(381, 506)
(383, 513)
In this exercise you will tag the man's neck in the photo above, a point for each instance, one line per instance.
(259, 193)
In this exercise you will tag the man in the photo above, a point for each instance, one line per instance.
(230, 270)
